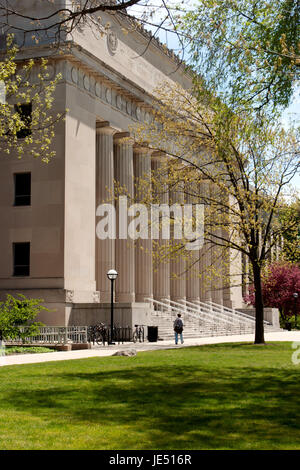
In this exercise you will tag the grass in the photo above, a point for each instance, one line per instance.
(228, 396)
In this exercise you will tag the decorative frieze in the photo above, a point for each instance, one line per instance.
(108, 94)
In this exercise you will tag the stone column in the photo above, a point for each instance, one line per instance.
(217, 262)
(123, 156)
(228, 269)
(205, 253)
(178, 264)
(143, 247)
(244, 274)
(161, 270)
(105, 249)
(227, 301)
(192, 281)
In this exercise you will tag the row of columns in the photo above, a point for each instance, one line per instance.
(118, 160)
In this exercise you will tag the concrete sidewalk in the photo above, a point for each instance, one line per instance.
(104, 351)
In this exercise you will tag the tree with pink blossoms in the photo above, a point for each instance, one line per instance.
(279, 283)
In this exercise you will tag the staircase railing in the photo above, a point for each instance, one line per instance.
(202, 313)
(220, 314)
(221, 318)
(234, 312)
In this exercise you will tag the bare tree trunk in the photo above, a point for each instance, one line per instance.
(259, 306)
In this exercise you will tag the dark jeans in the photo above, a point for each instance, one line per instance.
(176, 337)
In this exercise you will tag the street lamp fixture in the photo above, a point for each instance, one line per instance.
(112, 276)
(295, 295)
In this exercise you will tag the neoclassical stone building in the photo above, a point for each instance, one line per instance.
(48, 243)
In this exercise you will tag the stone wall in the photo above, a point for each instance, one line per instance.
(270, 314)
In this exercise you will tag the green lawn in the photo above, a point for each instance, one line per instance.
(228, 396)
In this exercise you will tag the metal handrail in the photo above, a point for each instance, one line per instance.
(207, 312)
(221, 310)
(177, 307)
(235, 312)
(194, 306)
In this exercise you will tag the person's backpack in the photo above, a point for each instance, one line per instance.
(178, 325)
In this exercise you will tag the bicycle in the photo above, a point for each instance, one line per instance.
(138, 334)
(97, 333)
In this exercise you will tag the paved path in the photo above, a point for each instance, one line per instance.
(110, 350)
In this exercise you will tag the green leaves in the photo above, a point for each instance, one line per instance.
(26, 85)
(248, 51)
(290, 222)
(17, 315)
(248, 160)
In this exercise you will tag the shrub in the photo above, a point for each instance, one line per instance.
(17, 315)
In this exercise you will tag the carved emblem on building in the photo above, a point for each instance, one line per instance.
(86, 82)
(119, 101)
(74, 75)
(112, 42)
(108, 95)
(96, 297)
(98, 89)
(69, 296)
(128, 107)
(138, 113)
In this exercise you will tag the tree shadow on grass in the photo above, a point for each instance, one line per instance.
(170, 407)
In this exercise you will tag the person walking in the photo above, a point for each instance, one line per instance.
(178, 328)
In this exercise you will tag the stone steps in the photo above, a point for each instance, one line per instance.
(194, 327)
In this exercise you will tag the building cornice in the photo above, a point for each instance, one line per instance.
(96, 77)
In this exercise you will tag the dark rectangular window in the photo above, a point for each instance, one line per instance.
(25, 111)
(22, 189)
(21, 256)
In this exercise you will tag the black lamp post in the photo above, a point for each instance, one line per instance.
(295, 295)
(112, 276)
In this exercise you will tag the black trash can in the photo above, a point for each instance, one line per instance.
(288, 326)
(152, 334)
